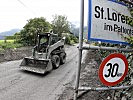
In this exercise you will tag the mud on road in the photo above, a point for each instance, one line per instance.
(16, 84)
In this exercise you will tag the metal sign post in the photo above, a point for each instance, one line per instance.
(80, 48)
(112, 27)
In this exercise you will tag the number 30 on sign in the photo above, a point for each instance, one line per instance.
(113, 69)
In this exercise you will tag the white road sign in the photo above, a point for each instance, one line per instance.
(109, 21)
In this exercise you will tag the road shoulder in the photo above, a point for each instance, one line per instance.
(88, 77)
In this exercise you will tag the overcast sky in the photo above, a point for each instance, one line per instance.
(15, 13)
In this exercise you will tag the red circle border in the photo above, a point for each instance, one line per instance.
(114, 55)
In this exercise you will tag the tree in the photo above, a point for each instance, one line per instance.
(60, 25)
(34, 26)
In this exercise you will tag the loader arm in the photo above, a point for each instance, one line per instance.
(59, 45)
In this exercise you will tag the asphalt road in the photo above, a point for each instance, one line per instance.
(16, 84)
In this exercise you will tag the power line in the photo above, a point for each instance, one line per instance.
(22, 3)
(26, 7)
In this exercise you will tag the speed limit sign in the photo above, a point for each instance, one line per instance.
(113, 69)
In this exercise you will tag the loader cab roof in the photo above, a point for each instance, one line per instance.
(49, 38)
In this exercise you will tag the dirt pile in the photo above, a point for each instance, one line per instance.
(89, 78)
(15, 54)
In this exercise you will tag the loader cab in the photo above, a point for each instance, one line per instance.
(46, 39)
(43, 42)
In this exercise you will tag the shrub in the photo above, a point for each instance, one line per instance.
(130, 40)
(71, 39)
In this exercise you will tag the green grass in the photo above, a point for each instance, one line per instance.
(9, 44)
(8, 41)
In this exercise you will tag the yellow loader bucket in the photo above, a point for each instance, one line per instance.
(36, 65)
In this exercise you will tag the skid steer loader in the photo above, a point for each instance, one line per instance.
(48, 53)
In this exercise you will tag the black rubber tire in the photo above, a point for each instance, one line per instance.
(62, 58)
(55, 61)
